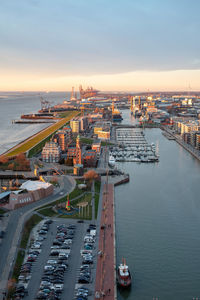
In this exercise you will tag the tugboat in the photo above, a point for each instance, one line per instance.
(123, 275)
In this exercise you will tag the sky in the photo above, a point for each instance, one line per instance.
(121, 45)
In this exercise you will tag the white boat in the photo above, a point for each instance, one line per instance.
(111, 161)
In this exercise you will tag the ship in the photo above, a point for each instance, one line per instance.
(38, 116)
(123, 275)
(87, 93)
(111, 161)
(116, 115)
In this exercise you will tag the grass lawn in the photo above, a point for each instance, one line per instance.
(106, 143)
(47, 212)
(30, 223)
(18, 263)
(31, 142)
(2, 211)
(85, 213)
(89, 141)
(96, 201)
(97, 186)
(65, 114)
(75, 193)
(86, 141)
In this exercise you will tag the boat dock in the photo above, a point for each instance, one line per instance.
(133, 147)
(105, 287)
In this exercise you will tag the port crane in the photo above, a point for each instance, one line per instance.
(45, 104)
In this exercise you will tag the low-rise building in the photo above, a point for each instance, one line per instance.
(97, 146)
(51, 152)
(30, 191)
(90, 158)
(71, 152)
(104, 134)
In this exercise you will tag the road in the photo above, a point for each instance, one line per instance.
(15, 226)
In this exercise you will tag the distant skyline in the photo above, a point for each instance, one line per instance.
(133, 45)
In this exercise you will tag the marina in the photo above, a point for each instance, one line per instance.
(133, 147)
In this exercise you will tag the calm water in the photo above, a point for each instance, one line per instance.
(12, 106)
(158, 223)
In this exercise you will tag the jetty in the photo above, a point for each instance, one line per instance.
(32, 121)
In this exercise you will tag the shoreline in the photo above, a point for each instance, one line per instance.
(23, 141)
(182, 143)
(29, 143)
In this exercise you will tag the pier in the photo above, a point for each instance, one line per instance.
(32, 121)
(105, 287)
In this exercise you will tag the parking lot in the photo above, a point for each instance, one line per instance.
(60, 262)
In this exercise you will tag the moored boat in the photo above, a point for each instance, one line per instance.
(123, 275)
(111, 161)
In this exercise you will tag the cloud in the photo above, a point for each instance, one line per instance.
(66, 37)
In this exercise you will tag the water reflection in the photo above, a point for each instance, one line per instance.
(158, 221)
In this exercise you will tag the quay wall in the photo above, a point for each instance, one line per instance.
(182, 143)
(105, 287)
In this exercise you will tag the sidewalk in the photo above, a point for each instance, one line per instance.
(105, 273)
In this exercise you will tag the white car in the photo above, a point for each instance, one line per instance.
(55, 247)
(58, 287)
(68, 242)
(52, 262)
(49, 268)
(63, 255)
(85, 252)
(35, 246)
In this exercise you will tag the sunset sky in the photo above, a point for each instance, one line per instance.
(133, 45)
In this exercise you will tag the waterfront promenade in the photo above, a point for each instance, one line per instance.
(105, 287)
(180, 141)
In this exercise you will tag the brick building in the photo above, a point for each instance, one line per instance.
(90, 158)
(30, 191)
(51, 152)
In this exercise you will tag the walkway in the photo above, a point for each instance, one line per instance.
(180, 141)
(105, 275)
